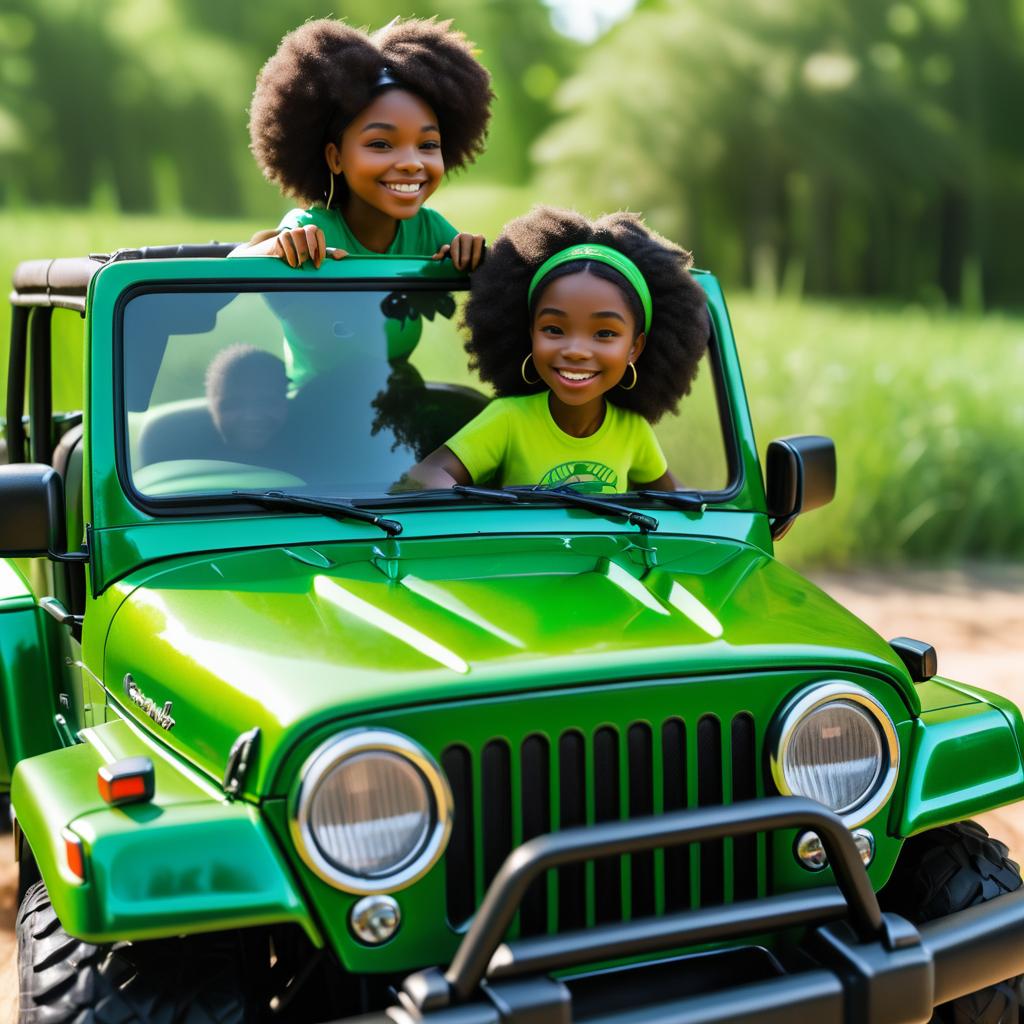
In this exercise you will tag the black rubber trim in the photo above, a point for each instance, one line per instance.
(607, 808)
(40, 380)
(460, 876)
(709, 794)
(496, 794)
(17, 363)
(535, 800)
(674, 798)
(572, 879)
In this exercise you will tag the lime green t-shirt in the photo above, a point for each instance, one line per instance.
(516, 442)
(309, 349)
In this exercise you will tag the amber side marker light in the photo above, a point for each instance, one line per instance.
(74, 854)
(127, 781)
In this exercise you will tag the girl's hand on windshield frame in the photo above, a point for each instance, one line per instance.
(466, 251)
(293, 245)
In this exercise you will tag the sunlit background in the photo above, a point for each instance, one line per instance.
(853, 172)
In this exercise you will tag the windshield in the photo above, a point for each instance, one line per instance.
(329, 392)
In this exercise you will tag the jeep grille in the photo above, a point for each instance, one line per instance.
(511, 791)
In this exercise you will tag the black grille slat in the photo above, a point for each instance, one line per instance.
(709, 794)
(572, 879)
(496, 807)
(535, 773)
(744, 787)
(677, 858)
(607, 807)
(460, 876)
(640, 746)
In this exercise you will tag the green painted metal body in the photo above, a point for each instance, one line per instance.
(477, 622)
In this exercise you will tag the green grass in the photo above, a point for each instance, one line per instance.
(927, 413)
(925, 407)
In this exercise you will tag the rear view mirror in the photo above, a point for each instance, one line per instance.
(801, 475)
(31, 510)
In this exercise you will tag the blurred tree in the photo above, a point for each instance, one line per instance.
(811, 144)
(143, 106)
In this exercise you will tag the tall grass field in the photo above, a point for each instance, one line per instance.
(926, 407)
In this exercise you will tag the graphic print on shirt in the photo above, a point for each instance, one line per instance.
(584, 476)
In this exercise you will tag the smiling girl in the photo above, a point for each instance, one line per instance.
(361, 129)
(589, 333)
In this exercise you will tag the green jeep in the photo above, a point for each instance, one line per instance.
(288, 741)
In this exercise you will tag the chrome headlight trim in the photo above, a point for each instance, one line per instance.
(325, 759)
(813, 697)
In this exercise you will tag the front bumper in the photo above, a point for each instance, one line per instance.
(855, 963)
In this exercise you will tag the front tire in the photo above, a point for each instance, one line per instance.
(949, 869)
(194, 980)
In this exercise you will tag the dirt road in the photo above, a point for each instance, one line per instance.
(974, 618)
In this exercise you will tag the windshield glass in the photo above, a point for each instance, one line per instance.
(335, 393)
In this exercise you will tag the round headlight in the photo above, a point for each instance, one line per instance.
(372, 812)
(836, 744)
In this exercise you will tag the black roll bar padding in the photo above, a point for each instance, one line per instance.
(545, 953)
(41, 385)
(533, 858)
(61, 282)
(976, 947)
(17, 362)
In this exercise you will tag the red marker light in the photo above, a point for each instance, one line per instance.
(74, 854)
(129, 780)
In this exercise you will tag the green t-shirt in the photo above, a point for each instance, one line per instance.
(420, 235)
(309, 349)
(516, 442)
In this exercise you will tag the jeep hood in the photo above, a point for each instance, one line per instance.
(287, 639)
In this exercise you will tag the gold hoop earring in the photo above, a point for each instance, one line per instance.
(522, 370)
(330, 194)
(635, 376)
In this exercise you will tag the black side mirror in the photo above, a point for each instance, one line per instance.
(801, 475)
(32, 517)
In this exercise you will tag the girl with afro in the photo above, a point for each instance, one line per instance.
(589, 333)
(360, 129)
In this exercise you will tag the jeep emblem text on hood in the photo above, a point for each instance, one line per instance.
(162, 716)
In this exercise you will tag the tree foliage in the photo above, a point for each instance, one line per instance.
(142, 106)
(869, 148)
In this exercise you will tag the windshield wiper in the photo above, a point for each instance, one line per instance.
(644, 522)
(688, 501)
(487, 494)
(516, 495)
(301, 503)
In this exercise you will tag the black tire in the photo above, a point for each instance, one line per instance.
(63, 980)
(950, 869)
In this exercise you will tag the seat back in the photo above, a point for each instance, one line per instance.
(178, 430)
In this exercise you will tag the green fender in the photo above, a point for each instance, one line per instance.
(188, 861)
(963, 758)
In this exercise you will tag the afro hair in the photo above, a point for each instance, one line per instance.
(498, 316)
(325, 72)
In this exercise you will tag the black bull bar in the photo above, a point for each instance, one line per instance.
(861, 965)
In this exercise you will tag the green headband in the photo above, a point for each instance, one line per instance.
(599, 254)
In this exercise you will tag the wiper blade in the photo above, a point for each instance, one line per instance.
(689, 501)
(495, 494)
(515, 495)
(646, 523)
(302, 503)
